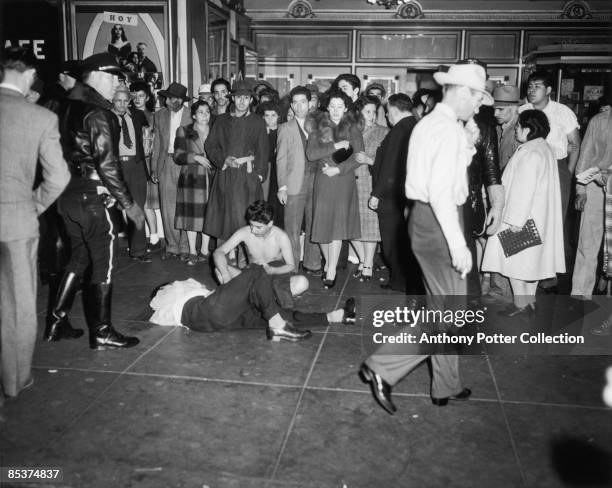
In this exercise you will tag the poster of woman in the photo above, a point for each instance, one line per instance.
(135, 32)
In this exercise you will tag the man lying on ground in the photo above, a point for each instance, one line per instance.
(268, 246)
(246, 301)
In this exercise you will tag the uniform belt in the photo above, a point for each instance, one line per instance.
(127, 159)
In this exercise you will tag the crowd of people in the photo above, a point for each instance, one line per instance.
(274, 192)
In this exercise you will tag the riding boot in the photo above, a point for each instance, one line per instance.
(58, 326)
(102, 335)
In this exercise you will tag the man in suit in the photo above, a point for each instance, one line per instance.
(388, 199)
(296, 180)
(163, 169)
(132, 160)
(439, 153)
(145, 65)
(28, 133)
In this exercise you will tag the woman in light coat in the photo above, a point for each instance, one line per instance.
(531, 182)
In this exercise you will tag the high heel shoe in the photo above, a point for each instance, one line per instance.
(364, 276)
(329, 283)
(359, 272)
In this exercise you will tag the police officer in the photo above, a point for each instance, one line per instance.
(90, 138)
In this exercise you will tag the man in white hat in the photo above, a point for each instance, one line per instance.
(205, 94)
(439, 153)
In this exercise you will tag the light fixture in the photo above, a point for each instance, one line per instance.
(387, 3)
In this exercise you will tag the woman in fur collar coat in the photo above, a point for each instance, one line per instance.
(334, 140)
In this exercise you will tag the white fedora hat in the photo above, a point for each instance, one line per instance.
(205, 88)
(470, 75)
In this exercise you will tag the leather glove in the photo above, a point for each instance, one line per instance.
(136, 215)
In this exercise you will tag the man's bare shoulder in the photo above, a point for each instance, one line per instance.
(279, 233)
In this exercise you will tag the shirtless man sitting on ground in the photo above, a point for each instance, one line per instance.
(268, 246)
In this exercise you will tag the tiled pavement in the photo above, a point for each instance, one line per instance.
(185, 409)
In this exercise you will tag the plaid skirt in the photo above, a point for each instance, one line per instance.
(368, 219)
(191, 198)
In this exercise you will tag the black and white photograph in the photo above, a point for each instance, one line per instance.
(306, 243)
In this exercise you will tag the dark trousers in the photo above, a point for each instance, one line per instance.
(472, 224)
(404, 270)
(136, 181)
(247, 301)
(90, 231)
(445, 291)
(394, 240)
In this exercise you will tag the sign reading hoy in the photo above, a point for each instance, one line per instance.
(124, 19)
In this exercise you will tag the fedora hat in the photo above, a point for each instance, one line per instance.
(175, 90)
(242, 87)
(506, 95)
(106, 62)
(473, 76)
(205, 88)
(312, 88)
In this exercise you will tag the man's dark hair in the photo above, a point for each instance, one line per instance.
(542, 76)
(400, 101)
(300, 90)
(18, 59)
(260, 212)
(349, 78)
(221, 81)
(262, 108)
(537, 123)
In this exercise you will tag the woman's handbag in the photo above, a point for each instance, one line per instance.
(514, 242)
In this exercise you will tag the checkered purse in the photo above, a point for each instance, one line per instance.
(515, 242)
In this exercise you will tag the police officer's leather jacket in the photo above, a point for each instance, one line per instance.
(484, 169)
(90, 141)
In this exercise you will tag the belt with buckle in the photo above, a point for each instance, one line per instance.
(127, 159)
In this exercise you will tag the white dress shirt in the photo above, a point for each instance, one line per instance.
(562, 122)
(436, 172)
(175, 122)
(123, 149)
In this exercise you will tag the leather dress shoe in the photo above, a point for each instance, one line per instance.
(512, 310)
(350, 313)
(287, 333)
(461, 396)
(380, 388)
(313, 272)
(143, 258)
(105, 337)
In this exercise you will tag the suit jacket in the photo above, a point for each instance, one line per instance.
(161, 136)
(290, 157)
(389, 169)
(28, 133)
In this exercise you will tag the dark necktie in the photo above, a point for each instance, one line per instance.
(127, 140)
